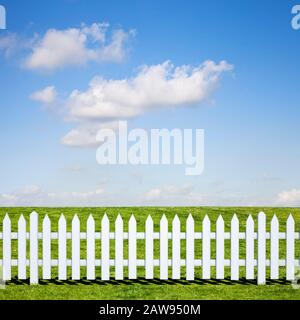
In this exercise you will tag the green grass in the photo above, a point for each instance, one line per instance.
(142, 289)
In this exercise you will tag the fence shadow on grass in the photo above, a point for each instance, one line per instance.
(143, 281)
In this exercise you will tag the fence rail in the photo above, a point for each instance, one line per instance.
(255, 262)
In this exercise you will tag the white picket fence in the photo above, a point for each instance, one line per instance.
(167, 260)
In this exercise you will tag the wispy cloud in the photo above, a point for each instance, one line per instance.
(77, 46)
(36, 196)
(289, 197)
(46, 96)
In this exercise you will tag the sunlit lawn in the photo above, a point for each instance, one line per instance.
(156, 289)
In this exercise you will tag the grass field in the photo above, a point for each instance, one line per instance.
(156, 289)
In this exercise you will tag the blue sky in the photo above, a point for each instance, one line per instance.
(250, 116)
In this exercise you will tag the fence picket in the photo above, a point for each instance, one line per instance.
(190, 248)
(250, 248)
(234, 261)
(274, 263)
(22, 248)
(132, 248)
(46, 248)
(90, 248)
(119, 259)
(290, 248)
(105, 248)
(206, 248)
(163, 236)
(62, 250)
(149, 248)
(220, 248)
(6, 248)
(75, 248)
(176, 248)
(34, 267)
(261, 250)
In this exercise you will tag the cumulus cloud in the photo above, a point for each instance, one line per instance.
(289, 198)
(45, 96)
(161, 85)
(77, 46)
(154, 87)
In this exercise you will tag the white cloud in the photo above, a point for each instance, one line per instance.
(85, 135)
(162, 85)
(35, 196)
(45, 96)
(154, 87)
(289, 198)
(29, 190)
(169, 195)
(8, 44)
(77, 46)
(173, 194)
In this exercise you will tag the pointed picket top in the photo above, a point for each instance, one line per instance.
(149, 220)
(104, 221)
(119, 224)
(234, 221)
(119, 219)
(190, 218)
(235, 218)
(105, 218)
(176, 218)
(132, 220)
(21, 221)
(75, 225)
(220, 220)
(90, 219)
(75, 220)
(176, 222)
(250, 220)
(290, 220)
(46, 219)
(62, 218)
(163, 223)
(261, 218)
(164, 219)
(190, 223)
(62, 222)
(274, 221)
(6, 219)
(206, 220)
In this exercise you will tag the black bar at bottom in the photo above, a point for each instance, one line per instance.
(146, 309)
